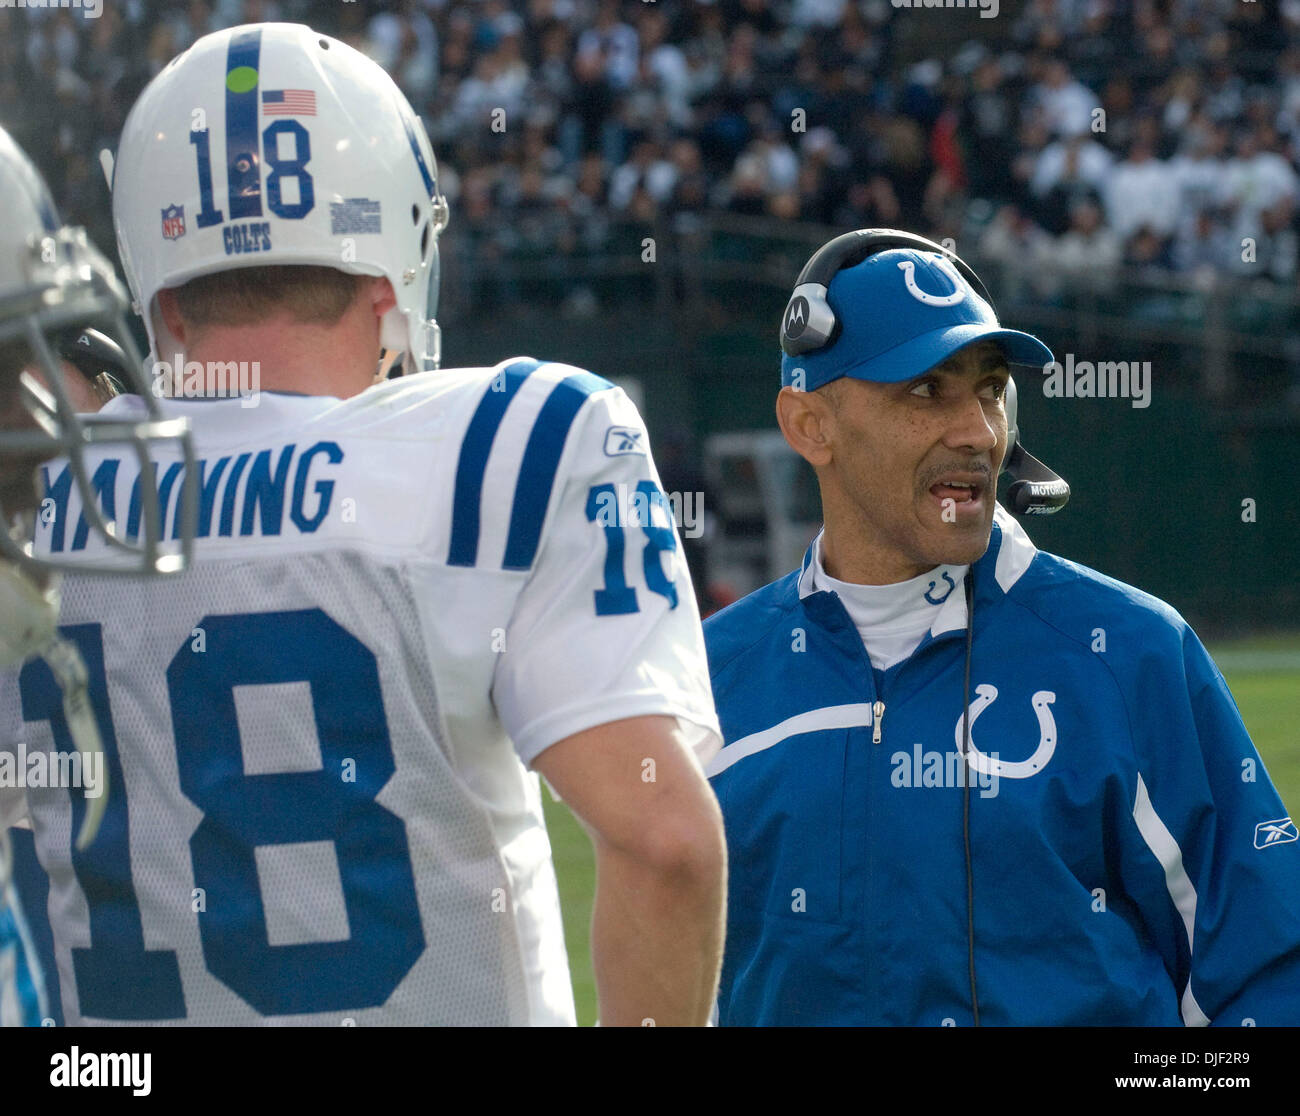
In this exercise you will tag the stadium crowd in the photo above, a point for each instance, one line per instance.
(1158, 134)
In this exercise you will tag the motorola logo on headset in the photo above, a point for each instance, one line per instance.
(796, 316)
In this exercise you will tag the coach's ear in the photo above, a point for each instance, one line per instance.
(805, 418)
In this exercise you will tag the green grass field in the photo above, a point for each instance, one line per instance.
(1264, 675)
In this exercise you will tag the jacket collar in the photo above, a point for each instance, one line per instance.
(1008, 556)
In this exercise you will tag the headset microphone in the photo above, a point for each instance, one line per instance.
(1035, 489)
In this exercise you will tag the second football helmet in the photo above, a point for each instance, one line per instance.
(272, 144)
(52, 278)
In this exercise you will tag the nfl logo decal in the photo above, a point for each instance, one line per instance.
(173, 222)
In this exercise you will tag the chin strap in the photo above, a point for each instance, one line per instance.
(388, 359)
(29, 628)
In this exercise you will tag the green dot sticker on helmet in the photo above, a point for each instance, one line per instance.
(241, 79)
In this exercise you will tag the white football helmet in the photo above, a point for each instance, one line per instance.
(51, 278)
(272, 144)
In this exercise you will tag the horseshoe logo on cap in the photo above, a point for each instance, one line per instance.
(909, 277)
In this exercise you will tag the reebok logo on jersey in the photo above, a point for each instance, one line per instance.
(623, 439)
(1279, 832)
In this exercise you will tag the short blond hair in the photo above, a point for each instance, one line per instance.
(245, 296)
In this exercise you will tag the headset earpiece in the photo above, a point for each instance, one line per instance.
(809, 322)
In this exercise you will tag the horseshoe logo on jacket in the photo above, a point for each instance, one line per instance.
(986, 695)
(909, 277)
(935, 585)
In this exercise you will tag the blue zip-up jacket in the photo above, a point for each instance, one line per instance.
(1132, 863)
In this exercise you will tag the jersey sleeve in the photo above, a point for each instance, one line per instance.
(606, 626)
(1229, 858)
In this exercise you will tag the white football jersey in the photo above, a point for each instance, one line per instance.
(319, 737)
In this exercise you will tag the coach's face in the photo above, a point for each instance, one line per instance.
(908, 471)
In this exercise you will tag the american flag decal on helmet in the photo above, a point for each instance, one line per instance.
(288, 102)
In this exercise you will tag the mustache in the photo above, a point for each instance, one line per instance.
(932, 474)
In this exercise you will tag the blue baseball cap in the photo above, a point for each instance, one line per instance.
(901, 312)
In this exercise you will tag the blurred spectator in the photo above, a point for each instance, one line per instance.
(1088, 248)
(1141, 193)
(663, 71)
(827, 111)
(1225, 91)
(1276, 246)
(987, 129)
(1146, 253)
(872, 204)
(190, 23)
(408, 46)
(647, 177)
(816, 13)
(1118, 101)
(1203, 247)
(1015, 245)
(1199, 171)
(1259, 188)
(1288, 116)
(1064, 104)
(1066, 172)
(610, 47)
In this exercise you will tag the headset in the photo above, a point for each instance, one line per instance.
(809, 323)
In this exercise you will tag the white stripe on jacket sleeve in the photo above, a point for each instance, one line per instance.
(1181, 890)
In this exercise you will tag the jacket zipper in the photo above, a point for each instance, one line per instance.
(877, 715)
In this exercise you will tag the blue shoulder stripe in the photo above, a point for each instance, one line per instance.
(541, 460)
(474, 452)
